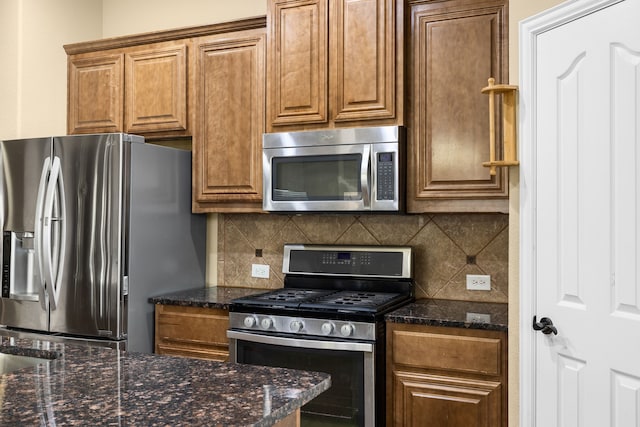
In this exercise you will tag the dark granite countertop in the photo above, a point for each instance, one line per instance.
(213, 297)
(100, 386)
(434, 312)
(459, 314)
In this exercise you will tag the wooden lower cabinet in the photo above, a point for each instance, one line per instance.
(449, 377)
(192, 332)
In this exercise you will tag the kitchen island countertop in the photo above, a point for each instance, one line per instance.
(100, 386)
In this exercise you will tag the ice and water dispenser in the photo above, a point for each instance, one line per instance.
(20, 274)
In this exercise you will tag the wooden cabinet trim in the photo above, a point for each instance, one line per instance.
(165, 35)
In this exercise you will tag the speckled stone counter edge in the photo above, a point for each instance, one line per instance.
(449, 313)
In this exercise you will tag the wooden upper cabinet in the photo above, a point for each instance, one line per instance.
(454, 47)
(298, 71)
(334, 63)
(156, 88)
(227, 144)
(363, 66)
(95, 93)
(141, 90)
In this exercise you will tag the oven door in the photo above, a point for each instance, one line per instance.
(350, 401)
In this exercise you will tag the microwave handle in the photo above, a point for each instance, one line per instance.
(365, 175)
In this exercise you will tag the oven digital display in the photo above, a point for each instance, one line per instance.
(344, 256)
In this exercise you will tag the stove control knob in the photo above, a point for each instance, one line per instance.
(327, 328)
(250, 321)
(296, 326)
(266, 323)
(346, 330)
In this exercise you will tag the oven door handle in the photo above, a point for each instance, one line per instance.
(303, 343)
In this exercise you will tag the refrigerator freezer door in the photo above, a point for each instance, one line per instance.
(21, 167)
(90, 300)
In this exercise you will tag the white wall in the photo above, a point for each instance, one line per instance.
(123, 17)
(34, 71)
(9, 70)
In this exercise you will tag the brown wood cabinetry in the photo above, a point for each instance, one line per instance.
(192, 332)
(141, 90)
(453, 47)
(443, 376)
(334, 63)
(227, 145)
(156, 83)
(95, 92)
(204, 82)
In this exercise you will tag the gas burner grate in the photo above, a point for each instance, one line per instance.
(356, 299)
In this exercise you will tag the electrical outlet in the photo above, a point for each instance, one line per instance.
(478, 282)
(260, 270)
(478, 318)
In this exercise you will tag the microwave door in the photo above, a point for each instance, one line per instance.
(320, 178)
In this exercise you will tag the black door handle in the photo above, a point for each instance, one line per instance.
(545, 326)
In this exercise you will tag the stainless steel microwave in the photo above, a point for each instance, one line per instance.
(354, 170)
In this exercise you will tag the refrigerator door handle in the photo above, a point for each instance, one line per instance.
(37, 234)
(54, 255)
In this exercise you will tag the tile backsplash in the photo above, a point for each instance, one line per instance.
(447, 247)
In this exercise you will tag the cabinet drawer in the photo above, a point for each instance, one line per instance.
(455, 353)
(191, 325)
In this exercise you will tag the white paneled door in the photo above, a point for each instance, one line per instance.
(580, 215)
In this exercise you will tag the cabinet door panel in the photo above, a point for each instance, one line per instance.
(298, 62)
(95, 93)
(156, 89)
(455, 47)
(445, 401)
(227, 144)
(364, 59)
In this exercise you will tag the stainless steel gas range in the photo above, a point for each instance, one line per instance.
(328, 317)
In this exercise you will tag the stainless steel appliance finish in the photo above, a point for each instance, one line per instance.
(354, 169)
(329, 318)
(93, 225)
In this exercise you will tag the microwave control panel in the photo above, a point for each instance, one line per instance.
(385, 184)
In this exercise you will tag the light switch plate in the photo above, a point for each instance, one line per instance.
(260, 270)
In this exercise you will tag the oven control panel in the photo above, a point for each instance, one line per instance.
(379, 261)
(302, 325)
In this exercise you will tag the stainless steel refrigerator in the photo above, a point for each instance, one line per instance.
(93, 225)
